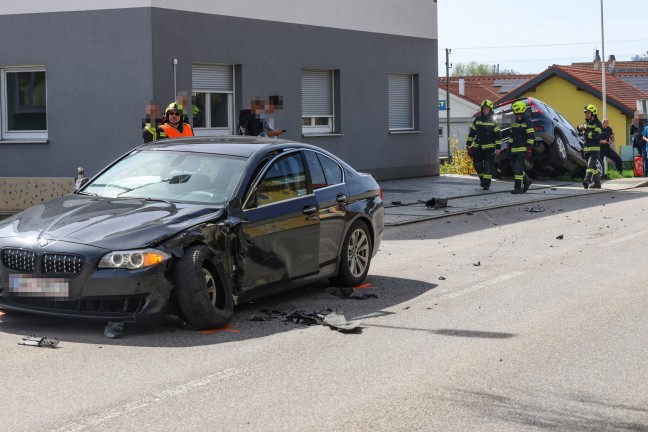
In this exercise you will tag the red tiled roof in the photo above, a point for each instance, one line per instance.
(620, 67)
(616, 90)
(478, 88)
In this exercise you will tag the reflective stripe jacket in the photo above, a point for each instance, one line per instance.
(485, 133)
(522, 135)
(167, 131)
(592, 135)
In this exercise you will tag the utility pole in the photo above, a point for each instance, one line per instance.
(448, 66)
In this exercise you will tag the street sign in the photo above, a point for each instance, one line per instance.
(442, 105)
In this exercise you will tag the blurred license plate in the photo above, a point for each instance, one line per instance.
(29, 286)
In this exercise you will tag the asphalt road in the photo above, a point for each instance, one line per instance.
(482, 322)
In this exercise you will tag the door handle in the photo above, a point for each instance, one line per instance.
(309, 210)
(341, 198)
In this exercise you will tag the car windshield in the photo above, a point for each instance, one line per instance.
(170, 176)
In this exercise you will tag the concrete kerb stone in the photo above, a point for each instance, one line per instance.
(405, 199)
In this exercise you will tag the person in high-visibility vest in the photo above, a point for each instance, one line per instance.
(173, 126)
(484, 140)
(520, 146)
(591, 131)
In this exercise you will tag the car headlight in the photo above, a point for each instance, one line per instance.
(135, 259)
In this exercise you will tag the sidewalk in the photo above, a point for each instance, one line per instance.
(405, 199)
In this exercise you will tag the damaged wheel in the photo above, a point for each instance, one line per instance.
(204, 299)
(356, 256)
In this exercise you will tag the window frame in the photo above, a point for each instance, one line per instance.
(208, 130)
(411, 100)
(310, 120)
(24, 135)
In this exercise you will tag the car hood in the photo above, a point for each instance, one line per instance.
(106, 222)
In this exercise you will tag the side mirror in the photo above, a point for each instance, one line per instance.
(80, 183)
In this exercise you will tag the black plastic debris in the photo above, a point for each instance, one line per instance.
(535, 209)
(113, 330)
(560, 237)
(36, 341)
(305, 317)
(442, 278)
(397, 203)
(350, 293)
(436, 203)
(268, 315)
(477, 264)
(327, 317)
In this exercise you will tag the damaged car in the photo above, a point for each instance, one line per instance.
(192, 227)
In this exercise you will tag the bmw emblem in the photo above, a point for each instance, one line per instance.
(42, 242)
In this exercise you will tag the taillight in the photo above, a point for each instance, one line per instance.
(380, 193)
(534, 108)
(538, 128)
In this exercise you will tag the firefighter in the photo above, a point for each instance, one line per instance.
(484, 141)
(173, 126)
(521, 146)
(591, 131)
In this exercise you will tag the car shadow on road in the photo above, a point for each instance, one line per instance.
(377, 296)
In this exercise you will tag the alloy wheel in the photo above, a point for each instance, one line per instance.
(358, 253)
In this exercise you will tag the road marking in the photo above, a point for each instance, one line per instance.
(624, 239)
(97, 419)
(487, 284)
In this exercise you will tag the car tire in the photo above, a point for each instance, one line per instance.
(355, 257)
(205, 301)
(559, 151)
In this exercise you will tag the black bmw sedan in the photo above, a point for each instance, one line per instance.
(198, 225)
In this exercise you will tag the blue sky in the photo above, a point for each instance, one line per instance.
(529, 36)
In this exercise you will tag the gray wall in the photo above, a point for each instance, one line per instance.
(98, 71)
(104, 66)
(271, 57)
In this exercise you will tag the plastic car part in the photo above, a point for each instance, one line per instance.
(44, 342)
(205, 301)
(113, 330)
(339, 322)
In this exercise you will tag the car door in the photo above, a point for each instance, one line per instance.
(327, 178)
(282, 230)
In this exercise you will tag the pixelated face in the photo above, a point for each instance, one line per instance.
(605, 123)
(152, 110)
(588, 114)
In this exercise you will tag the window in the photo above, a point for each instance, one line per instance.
(318, 101)
(213, 96)
(285, 179)
(324, 171)
(440, 132)
(23, 104)
(402, 112)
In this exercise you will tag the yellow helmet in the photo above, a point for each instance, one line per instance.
(591, 108)
(487, 103)
(519, 107)
(173, 106)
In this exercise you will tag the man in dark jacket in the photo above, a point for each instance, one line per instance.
(591, 130)
(521, 147)
(484, 139)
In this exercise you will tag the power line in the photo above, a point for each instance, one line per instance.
(545, 45)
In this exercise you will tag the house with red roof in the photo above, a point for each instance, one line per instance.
(569, 88)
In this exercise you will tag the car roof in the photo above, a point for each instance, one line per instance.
(243, 146)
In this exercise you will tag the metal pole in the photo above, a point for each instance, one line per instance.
(175, 87)
(603, 62)
(448, 103)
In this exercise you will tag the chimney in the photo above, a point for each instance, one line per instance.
(462, 87)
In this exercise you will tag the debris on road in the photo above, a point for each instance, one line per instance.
(44, 342)
(560, 237)
(477, 264)
(535, 209)
(351, 293)
(442, 278)
(436, 203)
(339, 322)
(327, 317)
(397, 203)
(113, 330)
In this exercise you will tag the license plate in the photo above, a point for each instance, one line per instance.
(30, 286)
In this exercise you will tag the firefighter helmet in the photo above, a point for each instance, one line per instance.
(487, 103)
(173, 106)
(519, 107)
(591, 108)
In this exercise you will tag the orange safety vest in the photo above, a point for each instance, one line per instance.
(172, 132)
